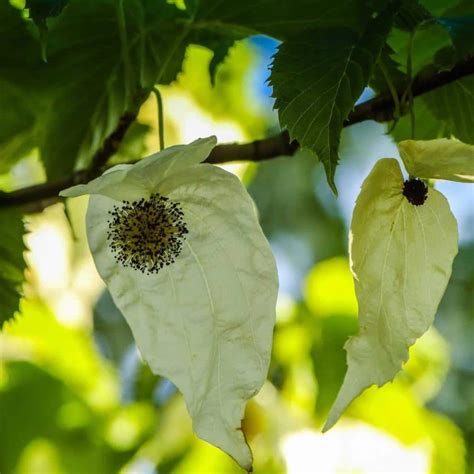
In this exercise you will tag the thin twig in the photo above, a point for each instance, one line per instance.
(161, 117)
(110, 146)
(393, 92)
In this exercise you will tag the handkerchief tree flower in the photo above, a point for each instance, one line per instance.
(179, 246)
(402, 243)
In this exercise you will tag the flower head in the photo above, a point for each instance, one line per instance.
(147, 234)
(416, 191)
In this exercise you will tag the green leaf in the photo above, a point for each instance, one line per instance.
(19, 53)
(102, 61)
(12, 264)
(442, 7)
(427, 42)
(133, 145)
(401, 258)
(217, 26)
(427, 126)
(412, 15)
(387, 65)
(18, 49)
(317, 79)
(220, 42)
(431, 34)
(279, 18)
(461, 30)
(206, 320)
(220, 53)
(438, 159)
(444, 59)
(41, 10)
(17, 122)
(453, 105)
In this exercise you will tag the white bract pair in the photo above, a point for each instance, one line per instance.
(180, 248)
(402, 243)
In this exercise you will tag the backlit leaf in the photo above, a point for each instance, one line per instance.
(428, 41)
(401, 257)
(279, 18)
(12, 264)
(19, 52)
(427, 126)
(99, 68)
(318, 77)
(453, 105)
(387, 65)
(16, 125)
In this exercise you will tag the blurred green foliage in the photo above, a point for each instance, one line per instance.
(76, 398)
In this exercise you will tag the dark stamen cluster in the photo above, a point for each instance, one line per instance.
(415, 191)
(147, 234)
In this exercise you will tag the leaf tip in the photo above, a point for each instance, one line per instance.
(73, 191)
(327, 426)
(332, 184)
(66, 193)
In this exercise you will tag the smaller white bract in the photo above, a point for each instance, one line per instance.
(438, 159)
(402, 243)
(180, 248)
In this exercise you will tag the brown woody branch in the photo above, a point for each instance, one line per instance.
(36, 198)
(380, 108)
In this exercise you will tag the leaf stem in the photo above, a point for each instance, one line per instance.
(161, 123)
(409, 91)
(391, 88)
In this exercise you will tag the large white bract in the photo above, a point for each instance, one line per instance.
(180, 248)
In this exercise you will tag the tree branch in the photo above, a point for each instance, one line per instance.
(36, 198)
(380, 108)
(258, 150)
(111, 144)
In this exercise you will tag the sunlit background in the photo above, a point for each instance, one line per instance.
(75, 396)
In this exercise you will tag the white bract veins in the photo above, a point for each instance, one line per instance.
(180, 248)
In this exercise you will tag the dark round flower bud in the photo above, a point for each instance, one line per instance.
(416, 191)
